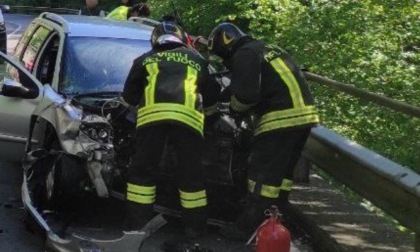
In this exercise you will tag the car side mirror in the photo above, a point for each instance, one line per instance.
(12, 88)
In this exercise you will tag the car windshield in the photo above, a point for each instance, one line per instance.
(94, 64)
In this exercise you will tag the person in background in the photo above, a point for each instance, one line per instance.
(123, 12)
(128, 3)
(92, 9)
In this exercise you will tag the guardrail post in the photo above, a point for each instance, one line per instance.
(417, 243)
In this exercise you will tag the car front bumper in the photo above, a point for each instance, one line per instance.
(89, 239)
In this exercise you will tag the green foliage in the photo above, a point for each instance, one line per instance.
(198, 17)
(372, 44)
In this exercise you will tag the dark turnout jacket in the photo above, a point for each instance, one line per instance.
(266, 79)
(172, 85)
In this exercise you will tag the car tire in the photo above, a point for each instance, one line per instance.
(65, 182)
(61, 177)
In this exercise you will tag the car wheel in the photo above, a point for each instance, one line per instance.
(65, 182)
(63, 176)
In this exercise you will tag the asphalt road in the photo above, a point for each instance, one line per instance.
(13, 234)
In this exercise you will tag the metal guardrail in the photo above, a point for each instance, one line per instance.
(390, 186)
(365, 95)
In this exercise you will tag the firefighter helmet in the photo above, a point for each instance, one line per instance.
(223, 38)
(168, 32)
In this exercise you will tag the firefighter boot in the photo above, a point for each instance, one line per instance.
(249, 220)
(137, 215)
(195, 222)
(195, 228)
(283, 201)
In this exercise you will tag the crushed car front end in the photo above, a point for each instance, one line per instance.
(69, 169)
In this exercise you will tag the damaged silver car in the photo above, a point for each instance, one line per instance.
(59, 96)
(61, 68)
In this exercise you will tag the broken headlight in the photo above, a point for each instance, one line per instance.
(99, 132)
(96, 132)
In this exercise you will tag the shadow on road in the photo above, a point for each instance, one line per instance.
(13, 234)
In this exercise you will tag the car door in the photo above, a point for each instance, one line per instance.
(20, 92)
(17, 111)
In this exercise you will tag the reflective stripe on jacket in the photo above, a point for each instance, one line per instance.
(171, 86)
(266, 79)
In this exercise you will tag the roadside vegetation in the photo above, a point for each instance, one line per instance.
(372, 44)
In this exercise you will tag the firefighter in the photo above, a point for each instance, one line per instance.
(266, 83)
(173, 90)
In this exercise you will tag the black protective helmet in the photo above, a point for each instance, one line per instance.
(141, 9)
(223, 38)
(168, 32)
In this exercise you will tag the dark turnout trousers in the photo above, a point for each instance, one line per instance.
(141, 184)
(272, 161)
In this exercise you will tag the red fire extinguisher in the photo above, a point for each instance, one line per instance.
(272, 236)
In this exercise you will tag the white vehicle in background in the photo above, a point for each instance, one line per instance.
(3, 34)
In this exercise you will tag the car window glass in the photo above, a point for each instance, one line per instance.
(93, 64)
(24, 40)
(13, 73)
(48, 58)
(36, 42)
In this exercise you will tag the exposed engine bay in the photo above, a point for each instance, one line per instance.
(80, 162)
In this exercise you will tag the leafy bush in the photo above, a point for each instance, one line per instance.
(372, 44)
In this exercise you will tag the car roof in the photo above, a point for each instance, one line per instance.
(88, 26)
